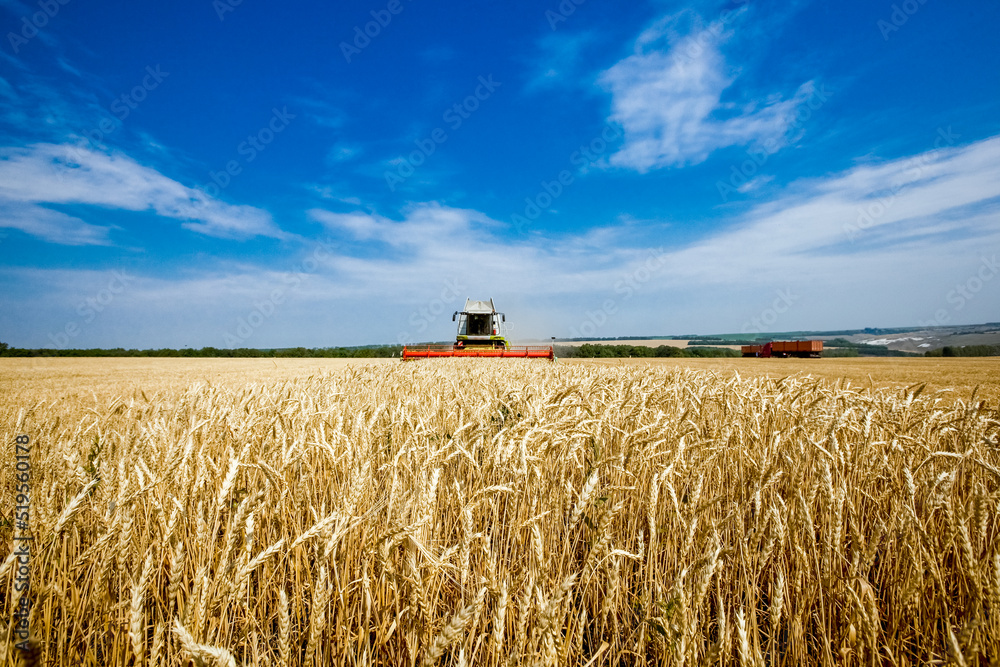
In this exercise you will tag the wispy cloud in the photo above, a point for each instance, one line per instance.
(558, 59)
(35, 177)
(926, 221)
(434, 242)
(668, 96)
(343, 153)
(51, 225)
(16, 7)
(323, 112)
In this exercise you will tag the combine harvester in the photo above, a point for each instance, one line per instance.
(785, 348)
(478, 336)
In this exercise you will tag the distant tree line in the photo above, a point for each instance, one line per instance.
(592, 351)
(838, 352)
(965, 351)
(212, 352)
(710, 340)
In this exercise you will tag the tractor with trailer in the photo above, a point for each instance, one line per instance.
(807, 349)
(479, 335)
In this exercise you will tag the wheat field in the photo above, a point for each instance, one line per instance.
(496, 512)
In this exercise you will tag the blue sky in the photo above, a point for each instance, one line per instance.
(247, 175)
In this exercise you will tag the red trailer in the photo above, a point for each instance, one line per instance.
(807, 349)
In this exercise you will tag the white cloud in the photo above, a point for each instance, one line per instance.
(754, 184)
(342, 153)
(50, 225)
(915, 215)
(434, 242)
(35, 177)
(667, 96)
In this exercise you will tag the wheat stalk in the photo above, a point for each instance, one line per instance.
(284, 628)
(317, 624)
(499, 620)
(588, 490)
(137, 627)
(453, 631)
(74, 506)
(213, 656)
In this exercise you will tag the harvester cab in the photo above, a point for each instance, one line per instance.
(480, 324)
